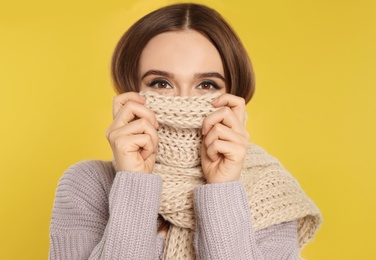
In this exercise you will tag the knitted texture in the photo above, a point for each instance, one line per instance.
(274, 195)
(180, 119)
(103, 214)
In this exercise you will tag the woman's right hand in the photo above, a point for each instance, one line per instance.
(133, 134)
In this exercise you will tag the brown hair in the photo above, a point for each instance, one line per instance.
(237, 66)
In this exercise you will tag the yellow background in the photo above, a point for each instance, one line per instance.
(314, 107)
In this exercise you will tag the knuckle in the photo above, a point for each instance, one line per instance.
(108, 134)
(115, 99)
(206, 142)
(118, 143)
(227, 111)
(143, 122)
(216, 144)
(217, 128)
(127, 105)
(241, 101)
(205, 121)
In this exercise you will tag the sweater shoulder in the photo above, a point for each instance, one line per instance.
(81, 200)
(91, 170)
(92, 166)
(86, 185)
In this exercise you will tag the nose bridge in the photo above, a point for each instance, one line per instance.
(184, 88)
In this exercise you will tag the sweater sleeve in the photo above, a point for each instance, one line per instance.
(224, 227)
(90, 221)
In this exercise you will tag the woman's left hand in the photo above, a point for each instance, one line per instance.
(225, 140)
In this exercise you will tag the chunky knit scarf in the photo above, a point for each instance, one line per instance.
(273, 194)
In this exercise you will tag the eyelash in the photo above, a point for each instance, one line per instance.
(212, 83)
(206, 82)
(156, 81)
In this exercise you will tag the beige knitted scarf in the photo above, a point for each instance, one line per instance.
(273, 194)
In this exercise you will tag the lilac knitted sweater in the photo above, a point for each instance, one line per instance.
(101, 214)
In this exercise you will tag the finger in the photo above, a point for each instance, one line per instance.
(140, 126)
(146, 145)
(120, 100)
(226, 117)
(223, 149)
(235, 103)
(131, 111)
(221, 132)
(130, 145)
(143, 126)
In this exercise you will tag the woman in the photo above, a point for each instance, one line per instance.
(184, 183)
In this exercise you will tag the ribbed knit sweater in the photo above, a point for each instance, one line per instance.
(101, 214)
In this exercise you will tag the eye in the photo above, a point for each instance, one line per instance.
(160, 84)
(208, 85)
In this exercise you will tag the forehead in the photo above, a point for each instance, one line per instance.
(187, 48)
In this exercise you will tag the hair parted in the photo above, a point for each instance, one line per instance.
(238, 69)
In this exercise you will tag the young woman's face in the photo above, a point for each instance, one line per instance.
(182, 63)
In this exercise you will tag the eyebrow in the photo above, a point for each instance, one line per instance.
(209, 75)
(157, 72)
(196, 75)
